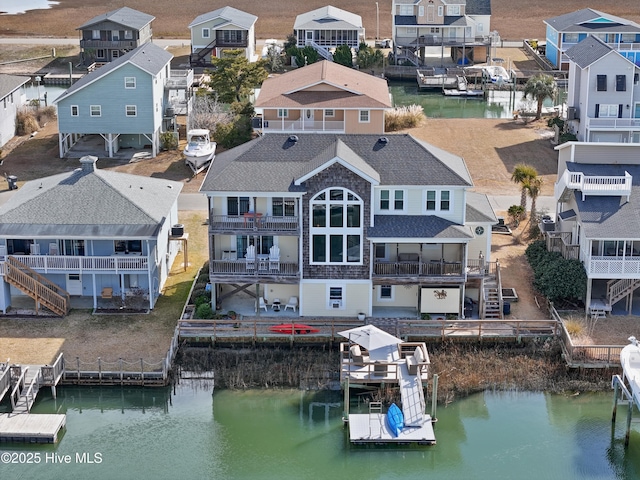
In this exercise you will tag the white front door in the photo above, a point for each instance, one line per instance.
(309, 36)
(74, 284)
(308, 118)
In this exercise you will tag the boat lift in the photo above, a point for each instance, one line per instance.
(630, 360)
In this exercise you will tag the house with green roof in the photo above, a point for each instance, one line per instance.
(88, 233)
(383, 225)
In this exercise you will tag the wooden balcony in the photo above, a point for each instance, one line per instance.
(253, 272)
(251, 223)
(179, 79)
(410, 272)
(561, 242)
(119, 44)
(76, 264)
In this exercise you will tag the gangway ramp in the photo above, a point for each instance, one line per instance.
(412, 395)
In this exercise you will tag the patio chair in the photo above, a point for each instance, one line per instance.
(292, 304)
(262, 304)
(274, 258)
(250, 257)
(357, 356)
(107, 292)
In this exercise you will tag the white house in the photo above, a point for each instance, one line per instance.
(12, 98)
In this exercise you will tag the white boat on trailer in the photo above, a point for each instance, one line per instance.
(200, 150)
(630, 360)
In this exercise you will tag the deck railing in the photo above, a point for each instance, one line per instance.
(410, 269)
(51, 374)
(252, 222)
(114, 263)
(561, 242)
(594, 184)
(611, 265)
(5, 381)
(294, 126)
(241, 267)
(179, 79)
(613, 123)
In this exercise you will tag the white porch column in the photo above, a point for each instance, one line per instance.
(149, 279)
(110, 142)
(95, 295)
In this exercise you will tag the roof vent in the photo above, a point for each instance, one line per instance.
(293, 138)
(383, 140)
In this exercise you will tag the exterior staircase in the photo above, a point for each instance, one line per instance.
(197, 59)
(322, 51)
(492, 305)
(31, 283)
(618, 289)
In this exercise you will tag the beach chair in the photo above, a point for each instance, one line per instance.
(292, 304)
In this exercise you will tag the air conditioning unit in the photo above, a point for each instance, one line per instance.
(336, 303)
(571, 113)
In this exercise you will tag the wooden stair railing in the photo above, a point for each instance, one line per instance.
(618, 289)
(195, 59)
(41, 289)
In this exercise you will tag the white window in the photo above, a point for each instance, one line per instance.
(95, 34)
(206, 33)
(392, 200)
(421, 11)
(115, 53)
(435, 29)
(329, 113)
(607, 110)
(129, 82)
(336, 227)
(128, 35)
(131, 111)
(100, 53)
(480, 28)
(438, 201)
(95, 110)
(411, 30)
(283, 113)
(385, 293)
(75, 111)
(406, 9)
(453, 10)
(115, 35)
(335, 297)
(364, 116)
(440, 11)
(570, 37)
(380, 251)
(283, 207)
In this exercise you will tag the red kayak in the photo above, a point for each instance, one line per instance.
(293, 328)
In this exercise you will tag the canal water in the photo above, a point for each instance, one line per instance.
(497, 104)
(138, 433)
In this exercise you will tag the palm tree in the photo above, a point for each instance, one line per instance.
(523, 174)
(539, 87)
(533, 188)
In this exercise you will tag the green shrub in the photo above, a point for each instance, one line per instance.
(516, 213)
(169, 140)
(567, 137)
(202, 299)
(204, 312)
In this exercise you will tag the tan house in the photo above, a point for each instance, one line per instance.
(323, 97)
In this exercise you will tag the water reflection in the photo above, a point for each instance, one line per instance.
(13, 8)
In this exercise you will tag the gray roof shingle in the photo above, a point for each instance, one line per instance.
(416, 226)
(148, 57)
(609, 217)
(10, 83)
(478, 7)
(479, 209)
(588, 51)
(124, 16)
(273, 162)
(230, 14)
(89, 204)
(578, 21)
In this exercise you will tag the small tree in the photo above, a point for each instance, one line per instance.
(368, 57)
(234, 76)
(516, 214)
(540, 87)
(534, 186)
(343, 56)
(274, 61)
(523, 174)
(207, 112)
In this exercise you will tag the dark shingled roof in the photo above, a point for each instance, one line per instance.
(478, 7)
(578, 21)
(609, 217)
(479, 209)
(10, 83)
(125, 16)
(588, 51)
(416, 226)
(273, 162)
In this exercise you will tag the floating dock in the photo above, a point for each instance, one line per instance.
(28, 428)
(372, 428)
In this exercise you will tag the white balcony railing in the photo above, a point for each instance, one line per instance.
(293, 126)
(179, 79)
(76, 264)
(602, 185)
(604, 267)
(613, 123)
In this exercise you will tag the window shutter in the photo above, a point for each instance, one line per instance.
(620, 111)
(597, 110)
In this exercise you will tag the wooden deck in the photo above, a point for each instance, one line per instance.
(27, 428)
(371, 428)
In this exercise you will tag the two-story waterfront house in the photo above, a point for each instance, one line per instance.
(603, 97)
(598, 218)
(11, 99)
(462, 26)
(565, 31)
(127, 102)
(360, 222)
(110, 35)
(327, 28)
(87, 232)
(323, 97)
(223, 29)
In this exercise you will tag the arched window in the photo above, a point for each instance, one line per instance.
(336, 227)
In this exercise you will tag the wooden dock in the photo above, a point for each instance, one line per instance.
(372, 428)
(25, 382)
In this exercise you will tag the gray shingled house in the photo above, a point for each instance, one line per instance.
(344, 224)
(110, 35)
(597, 219)
(87, 233)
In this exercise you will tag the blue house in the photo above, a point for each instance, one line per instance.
(567, 30)
(88, 233)
(126, 102)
